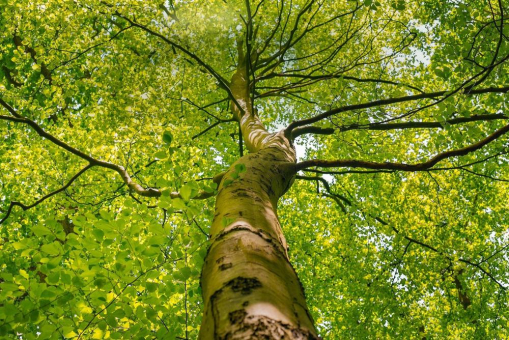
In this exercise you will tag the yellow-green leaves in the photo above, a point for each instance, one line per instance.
(96, 260)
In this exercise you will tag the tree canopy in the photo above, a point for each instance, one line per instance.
(116, 124)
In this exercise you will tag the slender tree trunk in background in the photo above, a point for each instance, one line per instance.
(249, 287)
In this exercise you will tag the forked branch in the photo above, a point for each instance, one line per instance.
(383, 102)
(42, 199)
(135, 187)
(339, 199)
(150, 192)
(448, 257)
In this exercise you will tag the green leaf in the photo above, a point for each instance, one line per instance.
(157, 241)
(151, 286)
(40, 230)
(160, 154)
(8, 287)
(185, 192)
(51, 249)
(20, 245)
(167, 137)
(111, 320)
(65, 278)
(48, 294)
(98, 234)
(151, 315)
(53, 278)
(178, 203)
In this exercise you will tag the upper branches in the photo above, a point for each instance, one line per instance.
(223, 83)
(358, 35)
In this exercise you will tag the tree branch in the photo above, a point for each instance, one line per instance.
(223, 83)
(338, 75)
(484, 271)
(403, 166)
(42, 199)
(349, 172)
(418, 125)
(493, 63)
(388, 101)
(33, 54)
(149, 192)
(290, 40)
(80, 335)
(422, 244)
(459, 167)
(311, 129)
(330, 194)
(210, 127)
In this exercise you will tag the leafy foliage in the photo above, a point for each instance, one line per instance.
(141, 84)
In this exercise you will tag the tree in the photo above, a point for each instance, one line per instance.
(354, 150)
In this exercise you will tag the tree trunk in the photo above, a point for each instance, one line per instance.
(249, 287)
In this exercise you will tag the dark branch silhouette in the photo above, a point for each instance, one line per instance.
(395, 126)
(42, 199)
(388, 101)
(403, 166)
(223, 83)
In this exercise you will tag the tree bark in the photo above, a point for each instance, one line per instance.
(249, 287)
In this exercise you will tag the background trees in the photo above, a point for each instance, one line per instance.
(102, 236)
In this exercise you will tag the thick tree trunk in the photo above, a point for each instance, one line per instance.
(249, 287)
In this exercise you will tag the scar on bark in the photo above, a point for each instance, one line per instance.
(239, 284)
(262, 327)
(243, 285)
(237, 316)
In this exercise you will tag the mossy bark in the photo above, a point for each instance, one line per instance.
(249, 287)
